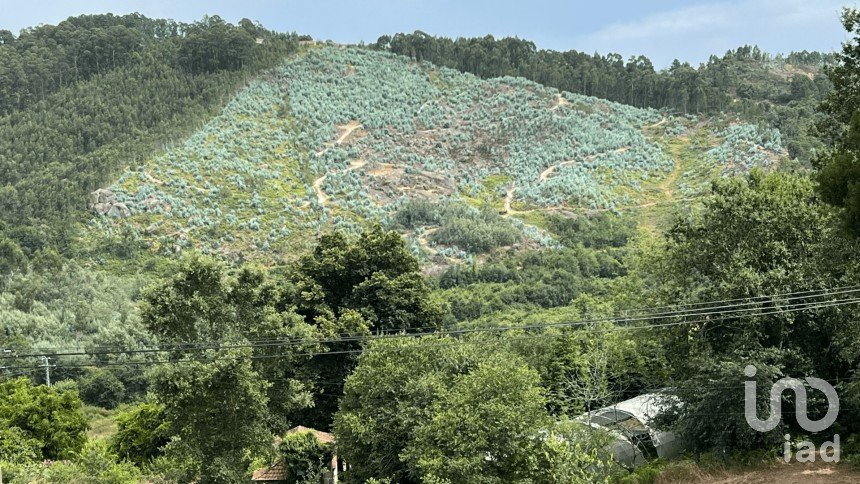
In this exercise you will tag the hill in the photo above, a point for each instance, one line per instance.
(780, 91)
(340, 136)
(82, 99)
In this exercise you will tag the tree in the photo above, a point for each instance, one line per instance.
(385, 398)
(707, 407)
(142, 432)
(52, 417)
(101, 388)
(218, 412)
(374, 274)
(436, 409)
(355, 285)
(488, 427)
(839, 175)
(18, 447)
(759, 235)
(305, 457)
(230, 381)
(201, 303)
(843, 100)
(12, 258)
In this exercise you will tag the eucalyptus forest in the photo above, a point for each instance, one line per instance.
(228, 252)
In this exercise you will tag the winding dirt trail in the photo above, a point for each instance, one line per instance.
(347, 130)
(322, 198)
(658, 123)
(546, 173)
(561, 101)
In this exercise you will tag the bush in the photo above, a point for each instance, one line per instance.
(102, 389)
(95, 464)
(17, 447)
(305, 457)
(474, 231)
(47, 415)
(142, 432)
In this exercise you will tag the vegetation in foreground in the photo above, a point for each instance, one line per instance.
(195, 368)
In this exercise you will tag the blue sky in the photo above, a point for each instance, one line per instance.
(661, 29)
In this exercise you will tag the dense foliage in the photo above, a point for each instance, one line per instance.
(83, 99)
(449, 271)
(45, 420)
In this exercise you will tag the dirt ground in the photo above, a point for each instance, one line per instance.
(792, 473)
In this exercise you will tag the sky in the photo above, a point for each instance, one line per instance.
(663, 30)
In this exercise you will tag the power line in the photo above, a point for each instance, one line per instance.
(649, 312)
(741, 309)
(796, 308)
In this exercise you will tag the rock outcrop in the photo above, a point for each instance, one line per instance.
(103, 202)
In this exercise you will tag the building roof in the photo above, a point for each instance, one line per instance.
(276, 472)
(324, 437)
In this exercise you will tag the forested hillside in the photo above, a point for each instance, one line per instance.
(94, 94)
(456, 256)
(780, 91)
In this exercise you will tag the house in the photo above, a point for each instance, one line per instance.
(278, 471)
(631, 422)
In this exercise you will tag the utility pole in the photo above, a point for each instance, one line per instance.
(47, 373)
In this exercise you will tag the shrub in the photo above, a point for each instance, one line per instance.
(305, 457)
(102, 389)
(142, 432)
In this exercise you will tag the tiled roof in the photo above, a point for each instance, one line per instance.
(324, 437)
(275, 472)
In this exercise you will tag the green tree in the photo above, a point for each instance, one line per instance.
(202, 304)
(305, 457)
(218, 412)
(759, 235)
(354, 285)
(374, 274)
(839, 175)
(717, 390)
(51, 417)
(18, 447)
(101, 388)
(387, 396)
(214, 316)
(488, 427)
(12, 258)
(142, 432)
(843, 100)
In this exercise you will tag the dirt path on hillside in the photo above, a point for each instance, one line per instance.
(346, 130)
(546, 173)
(658, 123)
(509, 197)
(322, 198)
(561, 101)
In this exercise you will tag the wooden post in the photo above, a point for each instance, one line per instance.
(333, 469)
